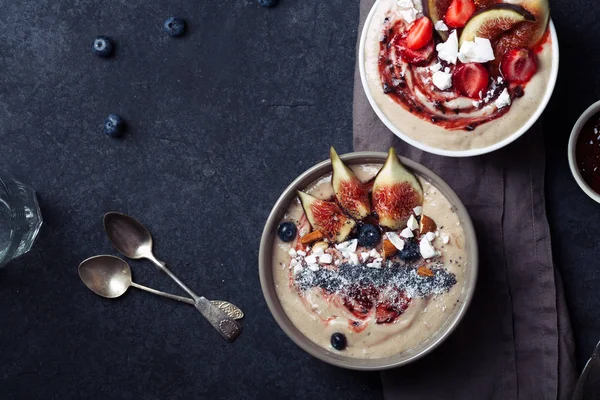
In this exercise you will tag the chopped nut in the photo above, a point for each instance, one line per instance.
(388, 249)
(311, 237)
(424, 271)
(427, 225)
(320, 245)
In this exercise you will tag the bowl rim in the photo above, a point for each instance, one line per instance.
(575, 132)
(266, 269)
(457, 153)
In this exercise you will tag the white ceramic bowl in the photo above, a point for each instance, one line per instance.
(587, 114)
(455, 153)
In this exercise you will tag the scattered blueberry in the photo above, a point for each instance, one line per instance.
(287, 231)
(267, 3)
(174, 26)
(411, 251)
(338, 341)
(103, 46)
(368, 235)
(114, 125)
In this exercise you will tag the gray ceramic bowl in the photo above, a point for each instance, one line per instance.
(266, 268)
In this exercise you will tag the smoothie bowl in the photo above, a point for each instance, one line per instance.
(459, 77)
(368, 261)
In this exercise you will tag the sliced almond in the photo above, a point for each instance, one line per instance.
(320, 245)
(427, 225)
(388, 249)
(311, 237)
(424, 271)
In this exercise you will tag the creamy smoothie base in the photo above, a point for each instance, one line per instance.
(426, 302)
(482, 134)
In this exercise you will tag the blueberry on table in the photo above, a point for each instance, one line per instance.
(267, 3)
(410, 251)
(174, 26)
(103, 46)
(114, 125)
(338, 341)
(287, 231)
(368, 235)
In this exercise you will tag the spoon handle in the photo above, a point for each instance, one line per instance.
(163, 294)
(229, 328)
(230, 309)
(163, 267)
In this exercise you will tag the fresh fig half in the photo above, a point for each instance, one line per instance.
(435, 10)
(525, 35)
(396, 191)
(493, 21)
(352, 195)
(327, 217)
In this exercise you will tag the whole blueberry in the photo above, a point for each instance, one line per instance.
(287, 231)
(338, 341)
(174, 26)
(368, 235)
(410, 251)
(267, 3)
(114, 125)
(103, 46)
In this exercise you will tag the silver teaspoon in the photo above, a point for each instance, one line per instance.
(134, 241)
(110, 277)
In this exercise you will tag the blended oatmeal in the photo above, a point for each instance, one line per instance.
(458, 74)
(370, 260)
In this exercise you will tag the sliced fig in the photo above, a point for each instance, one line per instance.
(350, 192)
(494, 21)
(396, 191)
(541, 11)
(326, 217)
(435, 10)
(525, 35)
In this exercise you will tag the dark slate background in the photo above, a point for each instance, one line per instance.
(220, 121)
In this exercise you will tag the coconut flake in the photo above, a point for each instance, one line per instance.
(407, 233)
(396, 240)
(448, 51)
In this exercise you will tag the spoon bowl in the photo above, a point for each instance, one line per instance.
(127, 235)
(107, 276)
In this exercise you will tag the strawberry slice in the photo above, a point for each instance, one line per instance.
(470, 80)
(519, 65)
(360, 301)
(415, 57)
(419, 34)
(385, 313)
(459, 13)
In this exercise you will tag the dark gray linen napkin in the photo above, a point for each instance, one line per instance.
(516, 340)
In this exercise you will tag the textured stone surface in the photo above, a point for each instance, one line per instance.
(220, 121)
(574, 217)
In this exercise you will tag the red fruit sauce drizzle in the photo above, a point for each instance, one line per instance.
(401, 80)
